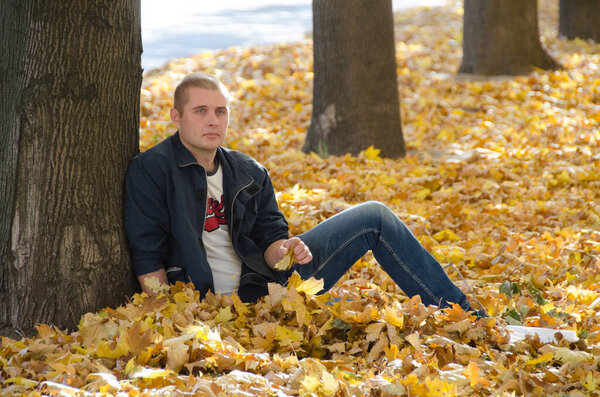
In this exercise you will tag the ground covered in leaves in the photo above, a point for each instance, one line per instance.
(502, 180)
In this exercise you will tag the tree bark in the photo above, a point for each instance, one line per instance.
(69, 119)
(501, 37)
(579, 18)
(355, 97)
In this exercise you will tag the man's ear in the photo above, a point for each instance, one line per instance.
(175, 116)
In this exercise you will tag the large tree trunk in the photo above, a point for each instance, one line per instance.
(501, 37)
(355, 101)
(579, 18)
(69, 121)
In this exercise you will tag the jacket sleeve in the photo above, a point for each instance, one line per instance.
(270, 224)
(146, 217)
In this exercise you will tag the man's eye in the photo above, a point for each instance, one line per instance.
(200, 110)
(221, 111)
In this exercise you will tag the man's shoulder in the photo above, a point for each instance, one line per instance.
(158, 157)
(161, 151)
(244, 160)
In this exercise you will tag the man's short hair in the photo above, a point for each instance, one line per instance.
(200, 80)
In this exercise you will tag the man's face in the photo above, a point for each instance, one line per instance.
(203, 124)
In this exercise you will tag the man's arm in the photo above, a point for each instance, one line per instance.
(277, 250)
(270, 225)
(146, 221)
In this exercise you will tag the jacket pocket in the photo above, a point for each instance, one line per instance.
(175, 274)
(252, 287)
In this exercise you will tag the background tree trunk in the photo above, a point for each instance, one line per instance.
(579, 18)
(355, 99)
(69, 120)
(502, 37)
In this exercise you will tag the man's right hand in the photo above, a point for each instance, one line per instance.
(152, 282)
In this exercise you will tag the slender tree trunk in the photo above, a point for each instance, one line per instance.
(355, 101)
(579, 18)
(69, 118)
(501, 37)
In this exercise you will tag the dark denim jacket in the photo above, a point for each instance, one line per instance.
(165, 204)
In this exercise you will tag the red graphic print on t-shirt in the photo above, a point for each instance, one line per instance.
(215, 214)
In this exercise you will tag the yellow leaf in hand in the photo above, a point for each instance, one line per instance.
(287, 261)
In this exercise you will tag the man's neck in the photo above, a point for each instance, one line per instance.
(205, 158)
(208, 162)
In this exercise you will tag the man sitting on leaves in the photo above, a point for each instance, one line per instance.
(196, 211)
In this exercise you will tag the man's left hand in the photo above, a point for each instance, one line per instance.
(301, 250)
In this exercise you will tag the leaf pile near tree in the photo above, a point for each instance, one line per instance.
(502, 180)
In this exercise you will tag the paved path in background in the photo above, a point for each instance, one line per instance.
(180, 28)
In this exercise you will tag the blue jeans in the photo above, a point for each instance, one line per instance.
(338, 242)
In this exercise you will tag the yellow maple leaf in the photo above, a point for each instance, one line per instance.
(310, 384)
(104, 350)
(28, 383)
(224, 315)
(446, 234)
(423, 194)
(454, 313)
(151, 373)
(391, 352)
(372, 154)
(591, 381)
(311, 286)
(287, 335)
(565, 355)
(136, 337)
(392, 317)
(475, 380)
(544, 358)
(329, 384)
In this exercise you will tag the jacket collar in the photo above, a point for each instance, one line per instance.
(183, 156)
(231, 169)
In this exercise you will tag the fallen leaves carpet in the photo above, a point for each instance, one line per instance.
(502, 181)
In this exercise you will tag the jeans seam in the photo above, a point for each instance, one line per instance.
(337, 251)
(410, 273)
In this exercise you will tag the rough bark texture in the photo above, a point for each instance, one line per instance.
(70, 77)
(579, 18)
(355, 100)
(501, 37)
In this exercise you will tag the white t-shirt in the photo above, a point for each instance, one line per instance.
(224, 262)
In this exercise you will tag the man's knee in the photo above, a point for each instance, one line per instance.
(377, 209)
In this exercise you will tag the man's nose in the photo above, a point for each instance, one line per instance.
(212, 119)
